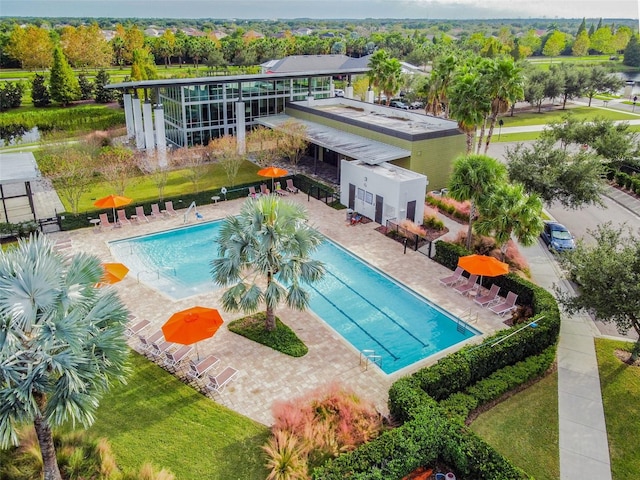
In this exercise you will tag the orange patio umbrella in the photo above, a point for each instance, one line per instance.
(114, 272)
(113, 202)
(272, 172)
(192, 325)
(483, 265)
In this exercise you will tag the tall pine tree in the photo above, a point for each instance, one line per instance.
(101, 94)
(40, 92)
(582, 27)
(63, 83)
(632, 52)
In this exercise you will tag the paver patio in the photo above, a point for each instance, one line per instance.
(266, 375)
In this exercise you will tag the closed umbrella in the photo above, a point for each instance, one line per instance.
(113, 202)
(483, 265)
(272, 172)
(192, 325)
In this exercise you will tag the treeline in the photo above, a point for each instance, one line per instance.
(31, 46)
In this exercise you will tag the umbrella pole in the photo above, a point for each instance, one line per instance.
(197, 352)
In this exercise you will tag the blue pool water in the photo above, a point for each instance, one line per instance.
(368, 308)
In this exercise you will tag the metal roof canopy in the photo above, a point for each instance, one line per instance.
(354, 146)
(176, 82)
(18, 167)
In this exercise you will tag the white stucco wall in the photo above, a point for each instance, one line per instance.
(397, 186)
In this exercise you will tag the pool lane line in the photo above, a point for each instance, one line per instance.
(355, 323)
(376, 308)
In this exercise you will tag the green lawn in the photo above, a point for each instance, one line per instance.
(143, 189)
(516, 137)
(524, 429)
(620, 386)
(156, 418)
(586, 113)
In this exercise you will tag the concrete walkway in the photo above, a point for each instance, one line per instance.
(583, 443)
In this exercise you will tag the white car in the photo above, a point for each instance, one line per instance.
(338, 92)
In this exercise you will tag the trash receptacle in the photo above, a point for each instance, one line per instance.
(349, 214)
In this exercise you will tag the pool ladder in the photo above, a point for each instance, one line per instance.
(157, 272)
(468, 318)
(369, 356)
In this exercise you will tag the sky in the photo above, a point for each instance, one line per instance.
(266, 9)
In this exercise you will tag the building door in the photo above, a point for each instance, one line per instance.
(352, 196)
(379, 207)
(411, 210)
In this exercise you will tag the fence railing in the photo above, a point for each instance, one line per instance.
(412, 240)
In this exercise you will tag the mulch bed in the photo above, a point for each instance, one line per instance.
(430, 235)
(624, 190)
(625, 357)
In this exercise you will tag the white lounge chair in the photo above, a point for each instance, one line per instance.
(264, 190)
(155, 211)
(280, 191)
(122, 217)
(490, 297)
(104, 220)
(221, 380)
(158, 348)
(136, 328)
(140, 216)
(145, 342)
(505, 307)
(173, 359)
(467, 286)
(291, 187)
(168, 206)
(197, 369)
(453, 279)
(253, 193)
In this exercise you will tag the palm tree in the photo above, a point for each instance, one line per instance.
(376, 68)
(510, 211)
(437, 100)
(268, 243)
(474, 178)
(504, 83)
(392, 78)
(62, 342)
(469, 105)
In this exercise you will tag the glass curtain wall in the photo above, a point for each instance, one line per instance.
(195, 114)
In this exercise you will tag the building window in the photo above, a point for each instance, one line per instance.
(369, 198)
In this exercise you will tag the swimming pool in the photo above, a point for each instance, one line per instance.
(366, 307)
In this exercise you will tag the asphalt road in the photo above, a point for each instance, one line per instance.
(579, 222)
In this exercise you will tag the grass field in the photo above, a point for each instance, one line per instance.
(142, 189)
(156, 418)
(585, 113)
(620, 384)
(524, 429)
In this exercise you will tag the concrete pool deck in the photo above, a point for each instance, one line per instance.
(266, 376)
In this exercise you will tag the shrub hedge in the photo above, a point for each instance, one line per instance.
(434, 401)
(630, 182)
(73, 221)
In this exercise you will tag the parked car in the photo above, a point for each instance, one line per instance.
(399, 104)
(557, 237)
(416, 105)
(338, 92)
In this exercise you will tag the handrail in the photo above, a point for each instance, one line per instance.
(157, 272)
(369, 356)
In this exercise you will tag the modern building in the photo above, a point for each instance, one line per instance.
(396, 147)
